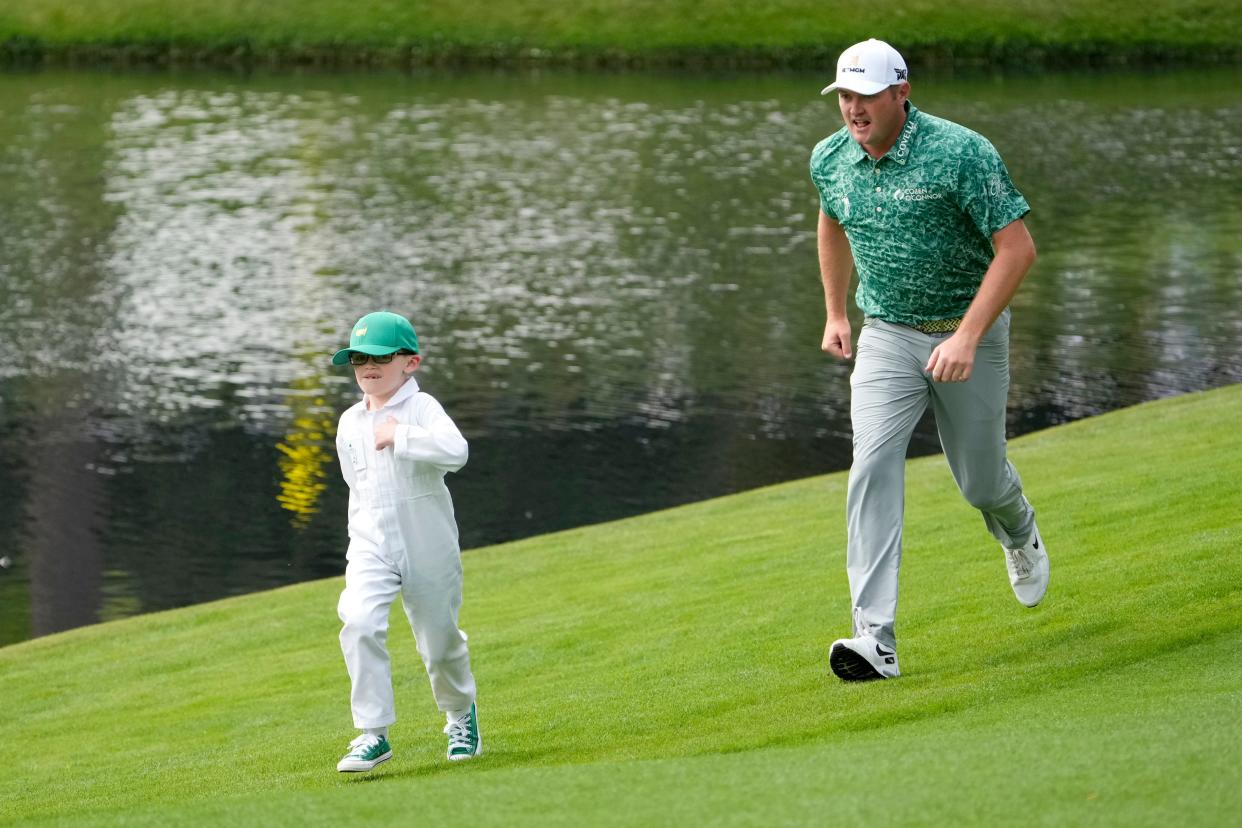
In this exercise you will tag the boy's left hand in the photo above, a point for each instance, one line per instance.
(386, 433)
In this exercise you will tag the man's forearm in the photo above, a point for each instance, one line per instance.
(835, 265)
(1015, 253)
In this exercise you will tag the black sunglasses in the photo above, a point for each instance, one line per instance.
(357, 358)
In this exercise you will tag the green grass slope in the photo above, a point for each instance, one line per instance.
(387, 31)
(671, 669)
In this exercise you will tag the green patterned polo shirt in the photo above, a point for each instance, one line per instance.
(920, 219)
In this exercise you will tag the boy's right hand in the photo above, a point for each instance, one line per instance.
(386, 433)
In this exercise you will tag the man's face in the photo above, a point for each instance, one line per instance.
(875, 120)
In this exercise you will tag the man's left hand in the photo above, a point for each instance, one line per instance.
(952, 360)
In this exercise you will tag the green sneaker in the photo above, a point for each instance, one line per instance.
(365, 753)
(464, 739)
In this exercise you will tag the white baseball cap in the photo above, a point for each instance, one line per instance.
(868, 67)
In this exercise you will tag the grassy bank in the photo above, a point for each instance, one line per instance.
(671, 669)
(632, 32)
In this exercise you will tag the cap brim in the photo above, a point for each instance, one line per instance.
(860, 86)
(342, 356)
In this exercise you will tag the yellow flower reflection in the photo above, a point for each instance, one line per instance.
(307, 452)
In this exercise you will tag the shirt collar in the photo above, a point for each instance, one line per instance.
(403, 393)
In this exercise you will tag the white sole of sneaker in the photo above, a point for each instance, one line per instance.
(358, 766)
(463, 757)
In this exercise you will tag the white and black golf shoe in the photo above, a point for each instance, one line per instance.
(1028, 570)
(862, 658)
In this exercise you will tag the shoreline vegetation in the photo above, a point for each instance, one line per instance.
(635, 34)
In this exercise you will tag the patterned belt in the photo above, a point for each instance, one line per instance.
(939, 326)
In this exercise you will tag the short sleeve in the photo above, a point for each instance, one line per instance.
(820, 180)
(985, 191)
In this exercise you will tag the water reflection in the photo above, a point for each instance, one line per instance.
(613, 277)
(308, 455)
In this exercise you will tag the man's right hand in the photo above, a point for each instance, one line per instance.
(837, 339)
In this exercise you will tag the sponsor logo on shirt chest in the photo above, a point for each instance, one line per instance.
(916, 194)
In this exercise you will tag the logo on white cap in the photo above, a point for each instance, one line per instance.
(868, 67)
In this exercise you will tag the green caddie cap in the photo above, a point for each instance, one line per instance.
(377, 334)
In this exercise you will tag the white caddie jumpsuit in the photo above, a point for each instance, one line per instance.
(402, 541)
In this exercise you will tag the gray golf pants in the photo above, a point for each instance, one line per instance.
(890, 392)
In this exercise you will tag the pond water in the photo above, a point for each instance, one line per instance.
(613, 276)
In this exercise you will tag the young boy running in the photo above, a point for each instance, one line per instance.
(395, 447)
